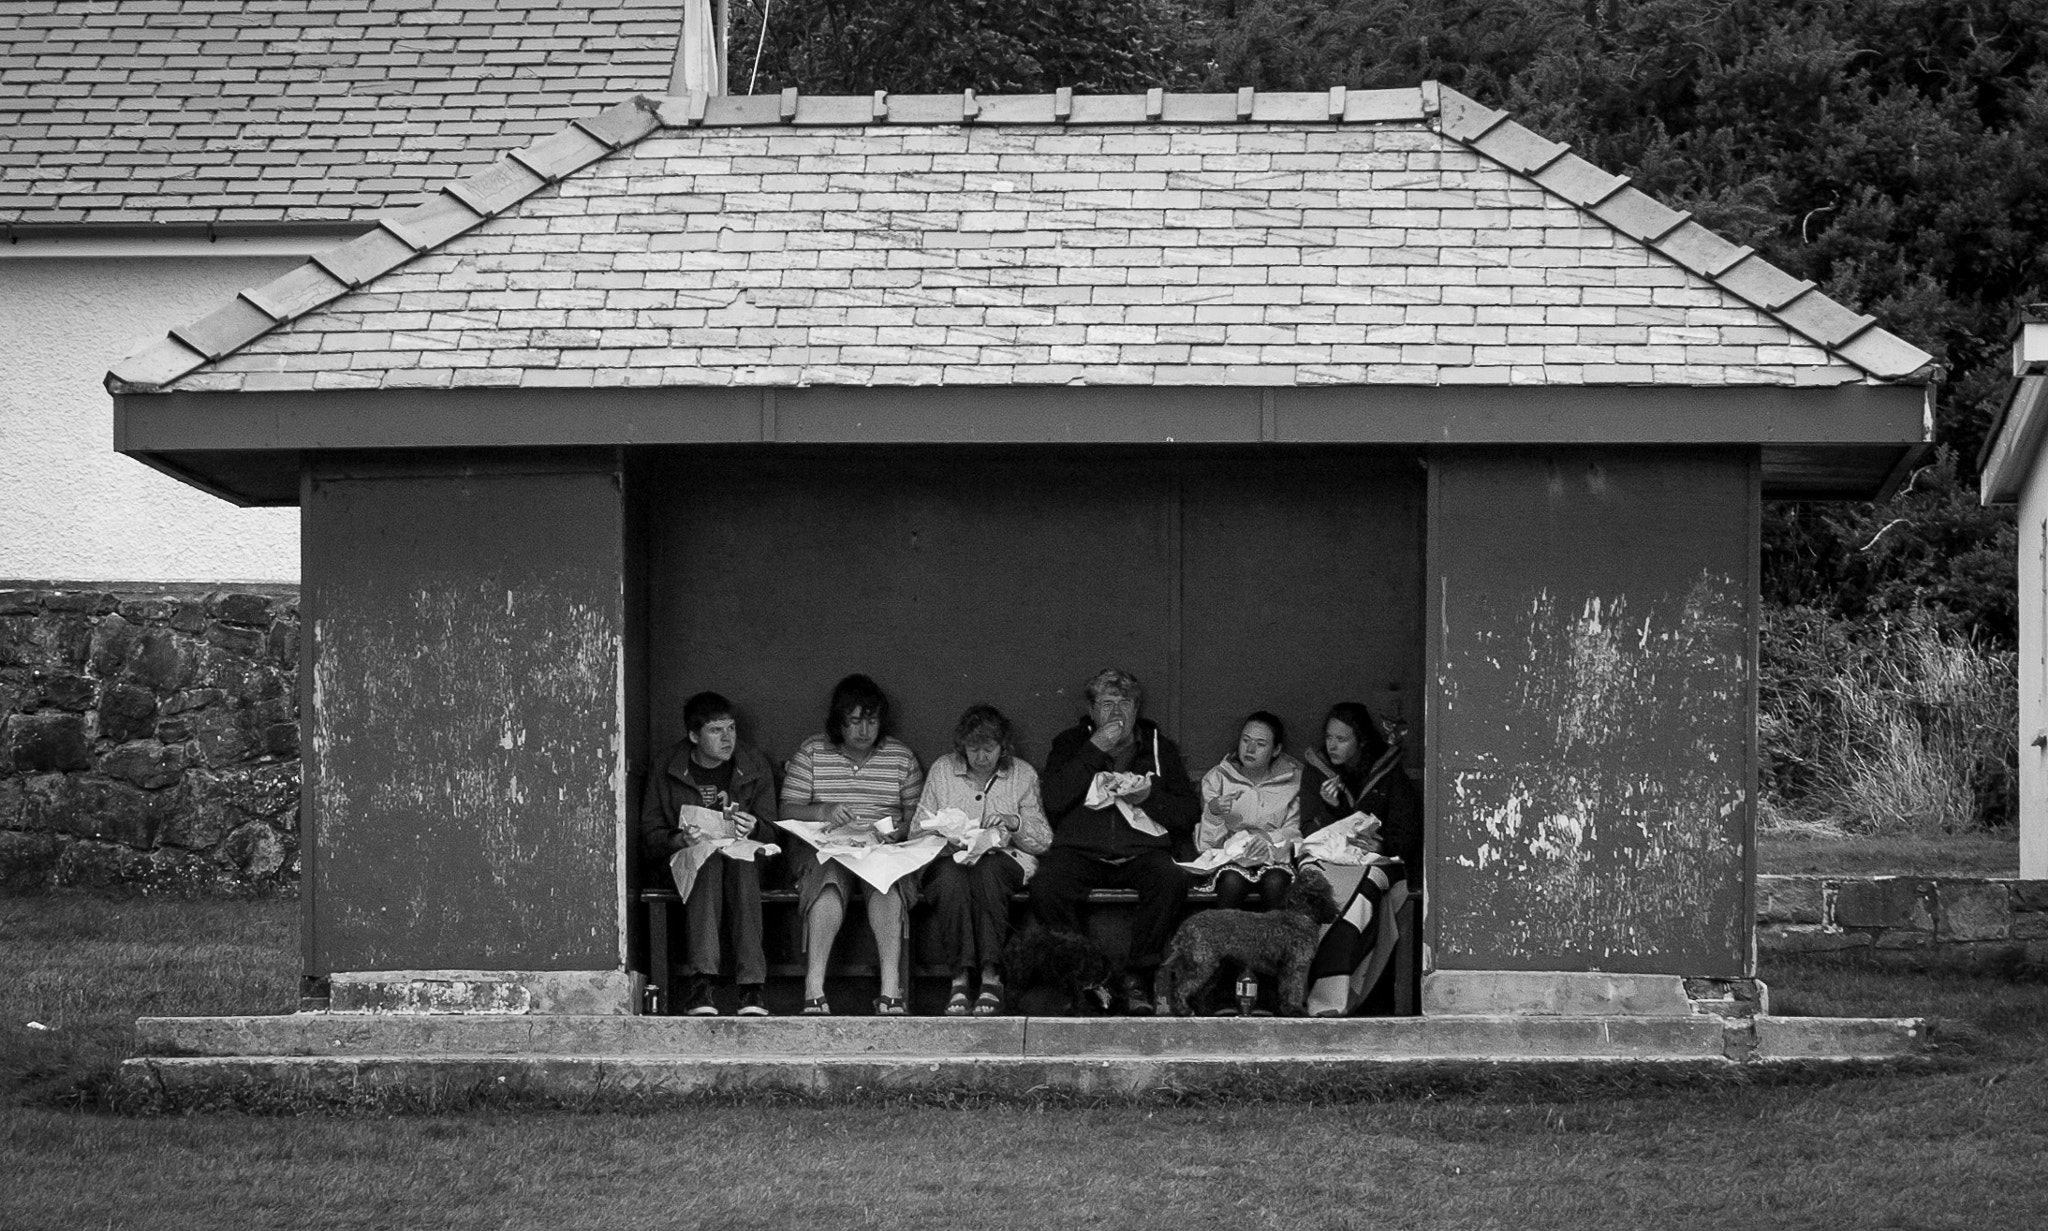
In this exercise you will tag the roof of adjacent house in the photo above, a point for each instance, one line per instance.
(1397, 237)
(254, 112)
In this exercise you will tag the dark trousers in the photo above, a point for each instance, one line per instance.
(971, 908)
(727, 891)
(1233, 886)
(1065, 877)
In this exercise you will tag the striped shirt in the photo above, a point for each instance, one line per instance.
(887, 783)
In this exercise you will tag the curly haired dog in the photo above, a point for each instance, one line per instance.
(1057, 974)
(1280, 941)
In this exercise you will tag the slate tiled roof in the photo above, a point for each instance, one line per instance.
(1403, 237)
(118, 112)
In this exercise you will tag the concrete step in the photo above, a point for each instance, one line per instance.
(367, 1038)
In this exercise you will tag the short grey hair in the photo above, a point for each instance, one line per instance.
(1117, 680)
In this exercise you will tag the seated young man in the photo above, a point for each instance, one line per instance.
(712, 769)
(1117, 794)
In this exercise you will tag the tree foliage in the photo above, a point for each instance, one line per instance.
(943, 46)
(1893, 151)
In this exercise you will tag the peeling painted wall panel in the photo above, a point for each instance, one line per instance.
(466, 642)
(1592, 764)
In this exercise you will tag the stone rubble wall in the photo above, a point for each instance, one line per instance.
(149, 740)
(1903, 916)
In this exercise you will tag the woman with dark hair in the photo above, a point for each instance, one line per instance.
(1358, 771)
(983, 778)
(1255, 791)
(852, 779)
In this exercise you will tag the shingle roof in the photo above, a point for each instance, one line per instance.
(1384, 237)
(264, 111)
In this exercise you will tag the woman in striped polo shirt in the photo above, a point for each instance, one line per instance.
(851, 777)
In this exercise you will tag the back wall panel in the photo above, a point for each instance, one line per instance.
(1281, 582)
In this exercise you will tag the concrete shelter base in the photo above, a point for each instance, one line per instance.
(581, 992)
(1554, 993)
(342, 1055)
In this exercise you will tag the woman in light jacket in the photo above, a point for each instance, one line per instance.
(1255, 790)
(982, 777)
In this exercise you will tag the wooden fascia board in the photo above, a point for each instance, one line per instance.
(2016, 449)
(1393, 415)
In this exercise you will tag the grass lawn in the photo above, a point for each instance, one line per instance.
(1958, 1142)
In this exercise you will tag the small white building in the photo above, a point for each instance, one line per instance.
(2014, 474)
(156, 157)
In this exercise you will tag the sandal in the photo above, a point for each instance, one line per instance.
(891, 1006)
(989, 1003)
(956, 1006)
(816, 1007)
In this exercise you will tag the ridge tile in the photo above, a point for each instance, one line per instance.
(1014, 109)
(1700, 250)
(1198, 109)
(497, 187)
(563, 153)
(1518, 149)
(1638, 215)
(622, 124)
(232, 325)
(159, 363)
(927, 108)
(734, 110)
(294, 294)
(1108, 109)
(1383, 106)
(1883, 354)
(365, 257)
(1462, 118)
(434, 223)
(1824, 320)
(1579, 181)
(1762, 283)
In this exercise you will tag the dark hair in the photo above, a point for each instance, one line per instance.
(1271, 722)
(702, 708)
(985, 722)
(854, 694)
(1371, 744)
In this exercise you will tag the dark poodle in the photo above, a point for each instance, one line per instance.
(1278, 942)
(1057, 974)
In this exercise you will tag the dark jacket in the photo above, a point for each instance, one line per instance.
(1101, 832)
(1393, 799)
(669, 790)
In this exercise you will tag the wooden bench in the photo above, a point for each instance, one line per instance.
(782, 937)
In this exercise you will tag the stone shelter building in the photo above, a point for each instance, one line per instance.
(1276, 399)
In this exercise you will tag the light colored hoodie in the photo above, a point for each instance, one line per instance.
(1272, 805)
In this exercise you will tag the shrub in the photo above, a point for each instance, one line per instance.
(1885, 726)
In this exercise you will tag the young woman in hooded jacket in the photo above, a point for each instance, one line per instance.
(1256, 790)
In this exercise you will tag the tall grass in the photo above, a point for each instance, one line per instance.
(1886, 727)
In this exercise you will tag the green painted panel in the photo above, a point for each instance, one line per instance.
(1592, 760)
(463, 769)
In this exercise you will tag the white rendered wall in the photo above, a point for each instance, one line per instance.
(71, 509)
(2033, 596)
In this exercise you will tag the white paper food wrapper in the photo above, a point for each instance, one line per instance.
(963, 831)
(716, 839)
(880, 864)
(1351, 842)
(1108, 788)
(1233, 852)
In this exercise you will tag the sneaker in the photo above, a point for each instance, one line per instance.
(750, 1001)
(697, 1001)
